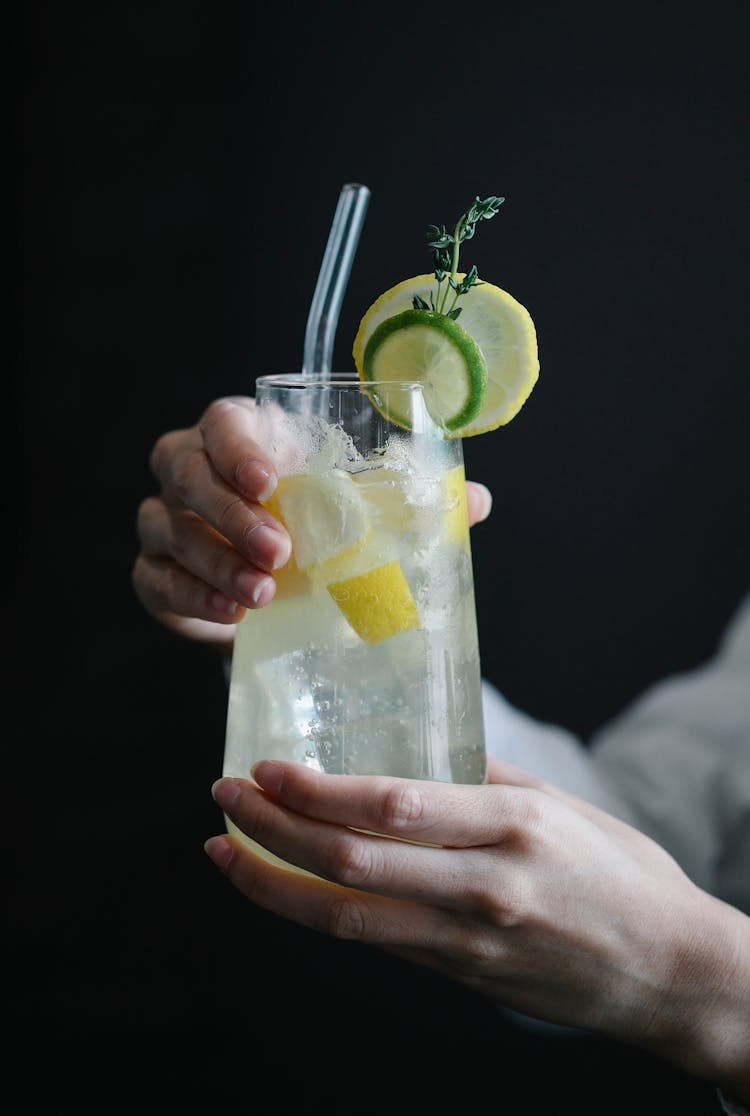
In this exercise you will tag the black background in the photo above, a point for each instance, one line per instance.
(176, 168)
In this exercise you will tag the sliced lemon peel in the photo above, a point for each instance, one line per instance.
(377, 604)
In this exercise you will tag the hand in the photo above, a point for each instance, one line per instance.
(532, 897)
(208, 547)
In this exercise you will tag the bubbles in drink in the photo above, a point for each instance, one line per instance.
(369, 663)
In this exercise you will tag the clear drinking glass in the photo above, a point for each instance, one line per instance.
(366, 661)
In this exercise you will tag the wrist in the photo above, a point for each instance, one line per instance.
(703, 1020)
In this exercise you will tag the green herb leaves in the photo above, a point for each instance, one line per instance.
(446, 247)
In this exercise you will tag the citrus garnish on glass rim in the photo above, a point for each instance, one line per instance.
(479, 372)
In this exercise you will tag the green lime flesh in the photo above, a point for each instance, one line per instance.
(432, 349)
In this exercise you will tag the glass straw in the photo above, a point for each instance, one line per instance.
(332, 279)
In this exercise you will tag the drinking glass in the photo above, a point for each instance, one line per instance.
(366, 661)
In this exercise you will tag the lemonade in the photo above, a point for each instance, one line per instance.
(366, 661)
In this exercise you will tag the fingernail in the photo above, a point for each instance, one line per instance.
(268, 775)
(225, 793)
(255, 479)
(264, 591)
(485, 501)
(253, 589)
(220, 852)
(270, 548)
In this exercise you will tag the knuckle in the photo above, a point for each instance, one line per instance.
(175, 590)
(346, 918)
(532, 816)
(476, 953)
(528, 820)
(508, 905)
(185, 471)
(145, 515)
(499, 899)
(161, 453)
(147, 584)
(234, 520)
(222, 567)
(479, 952)
(216, 412)
(183, 525)
(353, 861)
(253, 822)
(506, 911)
(190, 596)
(167, 587)
(541, 820)
(402, 805)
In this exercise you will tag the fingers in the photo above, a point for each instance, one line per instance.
(207, 545)
(326, 907)
(188, 568)
(229, 429)
(217, 471)
(216, 626)
(169, 592)
(364, 861)
(432, 813)
(227, 432)
(193, 483)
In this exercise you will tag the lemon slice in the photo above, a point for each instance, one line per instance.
(378, 604)
(429, 348)
(500, 327)
(456, 522)
(325, 515)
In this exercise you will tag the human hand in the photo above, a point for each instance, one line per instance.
(516, 889)
(208, 548)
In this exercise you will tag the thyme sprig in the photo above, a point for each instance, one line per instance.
(446, 248)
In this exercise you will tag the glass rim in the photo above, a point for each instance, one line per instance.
(337, 380)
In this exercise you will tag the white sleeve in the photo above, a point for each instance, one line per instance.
(679, 761)
(545, 750)
(675, 764)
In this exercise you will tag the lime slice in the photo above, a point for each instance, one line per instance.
(432, 349)
(500, 327)
(325, 515)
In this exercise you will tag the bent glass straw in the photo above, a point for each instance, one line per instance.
(332, 279)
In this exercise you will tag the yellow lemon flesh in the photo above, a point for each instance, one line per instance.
(457, 508)
(378, 604)
(327, 519)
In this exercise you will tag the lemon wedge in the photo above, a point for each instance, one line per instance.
(466, 403)
(378, 604)
(456, 522)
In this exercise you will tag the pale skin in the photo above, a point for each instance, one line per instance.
(518, 889)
